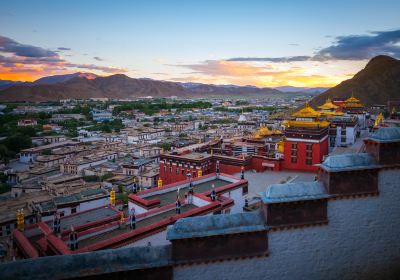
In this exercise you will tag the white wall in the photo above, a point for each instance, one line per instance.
(360, 241)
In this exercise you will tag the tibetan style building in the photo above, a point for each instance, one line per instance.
(306, 141)
(353, 107)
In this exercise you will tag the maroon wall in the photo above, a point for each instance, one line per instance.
(220, 247)
(296, 213)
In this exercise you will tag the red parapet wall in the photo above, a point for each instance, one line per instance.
(24, 245)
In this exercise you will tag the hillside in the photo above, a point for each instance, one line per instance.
(120, 87)
(377, 83)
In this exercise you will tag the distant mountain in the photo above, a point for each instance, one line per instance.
(6, 83)
(56, 79)
(120, 86)
(377, 83)
(307, 90)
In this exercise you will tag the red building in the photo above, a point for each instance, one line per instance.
(306, 141)
(175, 167)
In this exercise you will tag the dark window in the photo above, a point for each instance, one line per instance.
(73, 210)
(343, 132)
(62, 214)
(294, 159)
(308, 161)
(343, 139)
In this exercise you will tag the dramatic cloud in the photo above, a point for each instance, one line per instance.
(357, 47)
(352, 47)
(8, 45)
(98, 58)
(19, 61)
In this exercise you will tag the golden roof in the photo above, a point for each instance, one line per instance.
(307, 124)
(328, 105)
(265, 131)
(328, 114)
(352, 99)
(306, 112)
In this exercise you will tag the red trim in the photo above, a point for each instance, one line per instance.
(24, 245)
(179, 183)
(129, 237)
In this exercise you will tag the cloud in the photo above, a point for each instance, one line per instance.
(351, 47)
(272, 59)
(98, 58)
(8, 45)
(357, 47)
(36, 61)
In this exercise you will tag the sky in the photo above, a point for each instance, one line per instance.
(261, 43)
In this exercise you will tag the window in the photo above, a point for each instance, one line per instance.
(309, 154)
(343, 139)
(62, 214)
(73, 210)
(293, 158)
(332, 141)
(343, 132)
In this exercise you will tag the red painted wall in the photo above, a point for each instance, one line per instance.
(319, 150)
(172, 177)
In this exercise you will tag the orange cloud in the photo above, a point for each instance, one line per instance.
(261, 74)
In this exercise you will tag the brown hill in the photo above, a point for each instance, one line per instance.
(121, 87)
(377, 83)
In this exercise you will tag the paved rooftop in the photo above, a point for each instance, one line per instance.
(139, 224)
(170, 197)
(85, 217)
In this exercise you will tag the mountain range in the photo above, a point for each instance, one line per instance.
(377, 83)
(119, 86)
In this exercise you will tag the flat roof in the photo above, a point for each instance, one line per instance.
(170, 197)
(139, 224)
(86, 217)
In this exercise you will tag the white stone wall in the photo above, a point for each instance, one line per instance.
(361, 241)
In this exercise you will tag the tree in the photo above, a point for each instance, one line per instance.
(17, 142)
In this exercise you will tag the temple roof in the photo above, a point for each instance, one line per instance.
(289, 192)
(328, 105)
(349, 162)
(352, 99)
(305, 124)
(352, 102)
(386, 134)
(265, 131)
(306, 112)
(202, 226)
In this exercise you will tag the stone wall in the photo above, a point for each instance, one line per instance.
(360, 241)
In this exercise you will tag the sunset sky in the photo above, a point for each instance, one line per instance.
(260, 43)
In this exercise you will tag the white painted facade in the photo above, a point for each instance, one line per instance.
(360, 241)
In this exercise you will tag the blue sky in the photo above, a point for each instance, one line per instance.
(196, 40)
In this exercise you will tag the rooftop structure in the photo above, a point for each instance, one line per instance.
(345, 225)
